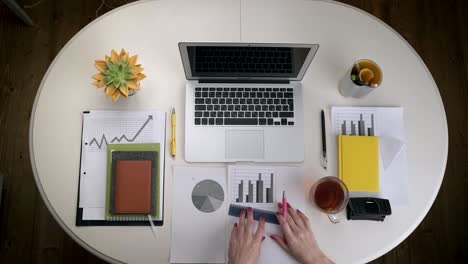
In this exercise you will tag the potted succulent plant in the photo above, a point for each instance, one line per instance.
(119, 74)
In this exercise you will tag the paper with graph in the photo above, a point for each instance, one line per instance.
(102, 127)
(253, 186)
(357, 121)
(388, 124)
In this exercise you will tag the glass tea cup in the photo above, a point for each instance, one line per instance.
(330, 196)
(364, 77)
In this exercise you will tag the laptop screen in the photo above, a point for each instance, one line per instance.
(250, 61)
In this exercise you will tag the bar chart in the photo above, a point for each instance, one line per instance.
(253, 187)
(356, 122)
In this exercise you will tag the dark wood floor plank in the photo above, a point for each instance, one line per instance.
(437, 30)
(18, 89)
(47, 236)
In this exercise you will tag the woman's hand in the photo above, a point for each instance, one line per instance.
(298, 238)
(244, 247)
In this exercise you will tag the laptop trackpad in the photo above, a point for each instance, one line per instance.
(244, 144)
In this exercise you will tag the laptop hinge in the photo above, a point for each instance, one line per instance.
(245, 81)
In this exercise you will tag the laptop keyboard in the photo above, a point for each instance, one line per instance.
(221, 106)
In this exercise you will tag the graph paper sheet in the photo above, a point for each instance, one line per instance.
(357, 121)
(102, 127)
(289, 179)
(387, 123)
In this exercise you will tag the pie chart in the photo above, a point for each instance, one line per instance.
(207, 196)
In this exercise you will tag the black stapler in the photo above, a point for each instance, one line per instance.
(368, 208)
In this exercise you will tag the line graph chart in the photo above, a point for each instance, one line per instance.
(122, 137)
(121, 129)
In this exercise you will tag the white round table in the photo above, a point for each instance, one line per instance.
(152, 30)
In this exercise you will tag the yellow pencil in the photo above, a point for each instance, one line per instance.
(173, 136)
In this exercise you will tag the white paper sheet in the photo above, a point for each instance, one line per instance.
(94, 213)
(197, 237)
(389, 148)
(101, 127)
(389, 127)
(289, 179)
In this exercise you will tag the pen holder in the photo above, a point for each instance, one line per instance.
(364, 77)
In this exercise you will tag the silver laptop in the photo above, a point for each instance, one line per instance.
(244, 101)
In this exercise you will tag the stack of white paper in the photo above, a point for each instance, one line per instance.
(102, 127)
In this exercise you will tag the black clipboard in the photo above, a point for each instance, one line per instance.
(79, 211)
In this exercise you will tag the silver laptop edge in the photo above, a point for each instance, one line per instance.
(188, 72)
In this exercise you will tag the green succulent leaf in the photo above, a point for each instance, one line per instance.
(117, 73)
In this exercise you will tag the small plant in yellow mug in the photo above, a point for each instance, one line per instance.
(119, 74)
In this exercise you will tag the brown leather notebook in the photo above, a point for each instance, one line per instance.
(132, 187)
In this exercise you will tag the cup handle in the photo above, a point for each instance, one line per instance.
(333, 218)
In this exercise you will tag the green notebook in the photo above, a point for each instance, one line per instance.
(148, 151)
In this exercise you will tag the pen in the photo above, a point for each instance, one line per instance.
(173, 136)
(324, 142)
(285, 207)
(153, 228)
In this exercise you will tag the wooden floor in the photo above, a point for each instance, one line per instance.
(438, 30)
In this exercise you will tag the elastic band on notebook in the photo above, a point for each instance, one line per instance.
(153, 228)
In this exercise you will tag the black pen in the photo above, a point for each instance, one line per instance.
(324, 142)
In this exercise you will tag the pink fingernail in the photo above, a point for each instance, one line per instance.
(242, 212)
(272, 237)
(263, 238)
(289, 206)
(262, 218)
(298, 211)
(235, 225)
(280, 205)
(250, 209)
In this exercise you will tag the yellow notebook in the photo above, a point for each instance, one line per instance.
(358, 162)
